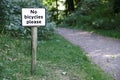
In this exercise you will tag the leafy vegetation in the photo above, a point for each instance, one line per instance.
(95, 15)
(60, 8)
(84, 14)
(109, 33)
(11, 14)
(54, 62)
(56, 58)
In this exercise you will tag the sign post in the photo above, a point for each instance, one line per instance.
(34, 49)
(33, 17)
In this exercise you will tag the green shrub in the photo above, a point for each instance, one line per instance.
(88, 6)
(3, 4)
(103, 18)
(1, 68)
(96, 14)
(47, 32)
(13, 24)
(80, 17)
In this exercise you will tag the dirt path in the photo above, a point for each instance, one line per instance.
(102, 50)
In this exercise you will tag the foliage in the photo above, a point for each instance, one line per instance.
(56, 9)
(116, 6)
(103, 17)
(13, 24)
(108, 33)
(80, 16)
(2, 14)
(48, 31)
(54, 58)
(96, 14)
(88, 6)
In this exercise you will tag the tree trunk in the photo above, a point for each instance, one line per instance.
(78, 3)
(70, 6)
(116, 6)
(57, 10)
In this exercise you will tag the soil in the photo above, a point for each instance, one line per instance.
(103, 51)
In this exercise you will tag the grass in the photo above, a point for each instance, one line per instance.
(108, 33)
(57, 59)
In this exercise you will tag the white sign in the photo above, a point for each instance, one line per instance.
(33, 16)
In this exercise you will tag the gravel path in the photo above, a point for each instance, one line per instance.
(103, 51)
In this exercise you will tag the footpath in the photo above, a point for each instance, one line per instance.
(103, 51)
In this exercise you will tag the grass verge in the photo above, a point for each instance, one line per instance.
(108, 33)
(57, 59)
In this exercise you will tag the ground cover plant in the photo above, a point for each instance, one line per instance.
(57, 59)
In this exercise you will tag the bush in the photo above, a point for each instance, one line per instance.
(80, 17)
(1, 68)
(12, 11)
(88, 6)
(104, 18)
(47, 32)
(107, 23)
(13, 24)
(96, 14)
(3, 13)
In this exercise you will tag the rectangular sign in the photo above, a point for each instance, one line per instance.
(33, 17)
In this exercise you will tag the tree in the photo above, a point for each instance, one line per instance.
(78, 3)
(52, 6)
(69, 6)
(116, 6)
(57, 9)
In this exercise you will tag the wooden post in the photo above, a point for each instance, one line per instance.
(34, 49)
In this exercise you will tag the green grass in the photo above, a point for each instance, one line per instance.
(57, 59)
(108, 33)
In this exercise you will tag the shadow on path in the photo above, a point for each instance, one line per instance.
(103, 51)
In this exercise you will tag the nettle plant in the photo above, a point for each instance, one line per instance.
(13, 22)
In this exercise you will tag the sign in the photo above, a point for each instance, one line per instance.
(33, 16)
